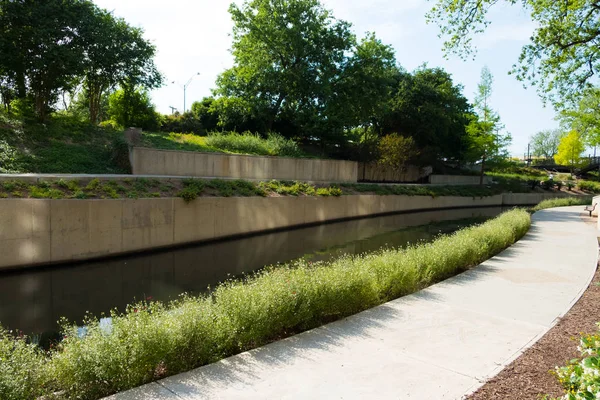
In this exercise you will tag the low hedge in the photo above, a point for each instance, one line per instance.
(151, 340)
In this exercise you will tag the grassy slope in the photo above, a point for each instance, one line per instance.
(63, 145)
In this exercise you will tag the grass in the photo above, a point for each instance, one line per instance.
(190, 189)
(63, 145)
(151, 340)
(562, 202)
(133, 188)
(434, 191)
(225, 142)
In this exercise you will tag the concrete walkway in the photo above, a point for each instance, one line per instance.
(440, 343)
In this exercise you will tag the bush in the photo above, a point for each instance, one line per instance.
(21, 368)
(120, 153)
(581, 378)
(562, 202)
(248, 143)
(589, 186)
(186, 123)
(548, 184)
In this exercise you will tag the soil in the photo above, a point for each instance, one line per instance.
(530, 376)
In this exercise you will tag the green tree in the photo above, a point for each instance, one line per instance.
(206, 112)
(396, 151)
(545, 143)
(131, 107)
(50, 47)
(115, 54)
(484, 131)
(41, 47)
(429, 107)
(584, 117)
(562, 56)
(287, 55)
(366, 84)
(569, 150)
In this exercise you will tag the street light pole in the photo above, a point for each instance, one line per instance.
(186, 86)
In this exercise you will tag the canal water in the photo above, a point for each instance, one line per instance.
(32, 301)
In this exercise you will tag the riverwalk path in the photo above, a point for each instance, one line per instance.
(440, 343)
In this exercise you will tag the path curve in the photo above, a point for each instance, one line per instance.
(440, 343)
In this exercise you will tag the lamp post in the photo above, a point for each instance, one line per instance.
(186, 86)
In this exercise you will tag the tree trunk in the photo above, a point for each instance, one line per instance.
(275, 112)
(482, 167)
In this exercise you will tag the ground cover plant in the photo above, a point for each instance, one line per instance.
(134, 188)
(225, 142)
(581, 377)
(151, 340)
(562, 202)
(62, 145)
(589, 186)
(190, 189)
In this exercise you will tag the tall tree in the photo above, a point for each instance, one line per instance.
(49, 47)
(562, 57)
(545, 143)
(569, 150)
(428, 106)
(115, 54)
(584, 117)
(42, 47)
(484, 131)
(287, 53)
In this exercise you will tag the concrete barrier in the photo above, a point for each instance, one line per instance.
(458, 180)
(145, 161)
(372, 172)
(42, 231)
(595, 201)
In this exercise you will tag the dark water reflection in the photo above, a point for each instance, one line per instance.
(33, 301)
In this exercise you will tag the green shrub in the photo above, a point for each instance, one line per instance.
(248, 143)
(562, 202)
(120, 153)
(22, 367)
(548, 184)
(581, 378)
(45, 193)
(570, 185)
(589, 186)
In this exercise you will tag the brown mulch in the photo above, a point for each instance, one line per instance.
(529, 376)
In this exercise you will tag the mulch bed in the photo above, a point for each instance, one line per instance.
(529, 376)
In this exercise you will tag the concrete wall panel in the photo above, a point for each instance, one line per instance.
(182, 163)
(42, 231)
(457, 179)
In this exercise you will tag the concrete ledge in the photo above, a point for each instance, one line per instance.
(39, 231)
(458, 180)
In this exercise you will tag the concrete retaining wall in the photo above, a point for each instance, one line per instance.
(145, 161)
(40, 231)
(458, 180)
(371, 172)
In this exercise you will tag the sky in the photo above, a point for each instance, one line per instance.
(193, 36)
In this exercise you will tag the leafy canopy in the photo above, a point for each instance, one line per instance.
(545, 143)
(562, 56)
(569, 150)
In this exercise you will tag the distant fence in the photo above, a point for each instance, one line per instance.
(146, 161)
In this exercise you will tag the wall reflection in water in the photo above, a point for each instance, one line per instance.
(33, 301)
